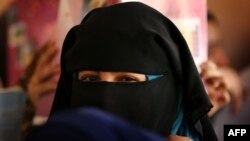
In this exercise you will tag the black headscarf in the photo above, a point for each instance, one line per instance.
(132, 37)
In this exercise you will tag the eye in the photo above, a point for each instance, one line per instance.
(89, 78)
(127, 78)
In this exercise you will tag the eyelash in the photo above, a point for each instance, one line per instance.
(126, 78)
(96, 78)
(90, 78)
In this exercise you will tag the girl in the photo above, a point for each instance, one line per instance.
(130, 60)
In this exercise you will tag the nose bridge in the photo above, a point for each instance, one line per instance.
(107, 76)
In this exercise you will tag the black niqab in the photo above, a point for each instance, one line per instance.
(132, 37)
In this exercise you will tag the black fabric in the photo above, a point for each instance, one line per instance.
(133, 37)
(140, 103)
(208, 131)
(89, 124)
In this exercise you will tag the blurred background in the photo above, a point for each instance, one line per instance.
(26, 25)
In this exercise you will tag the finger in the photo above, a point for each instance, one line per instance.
(45, 48)
(47, 87)
(216, 83)
(46, 58)
(208, 65)
(210, 70)
(49, 72)
(211, 74)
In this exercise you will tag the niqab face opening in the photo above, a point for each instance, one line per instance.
(131, 37)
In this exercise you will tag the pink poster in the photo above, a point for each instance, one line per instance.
(190, 17)
(31, 22)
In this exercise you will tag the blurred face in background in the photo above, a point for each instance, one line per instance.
(216, 52)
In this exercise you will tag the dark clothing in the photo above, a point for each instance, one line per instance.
(89, 125)
(133, 37)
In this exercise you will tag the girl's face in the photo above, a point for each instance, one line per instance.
(98, 76)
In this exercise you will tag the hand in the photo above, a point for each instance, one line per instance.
(215, 85)
(235, 87)
(43, 79)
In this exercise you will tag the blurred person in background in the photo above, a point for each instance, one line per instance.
(215, 85)
(217, 54)
(40, 77)
(230, 112)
